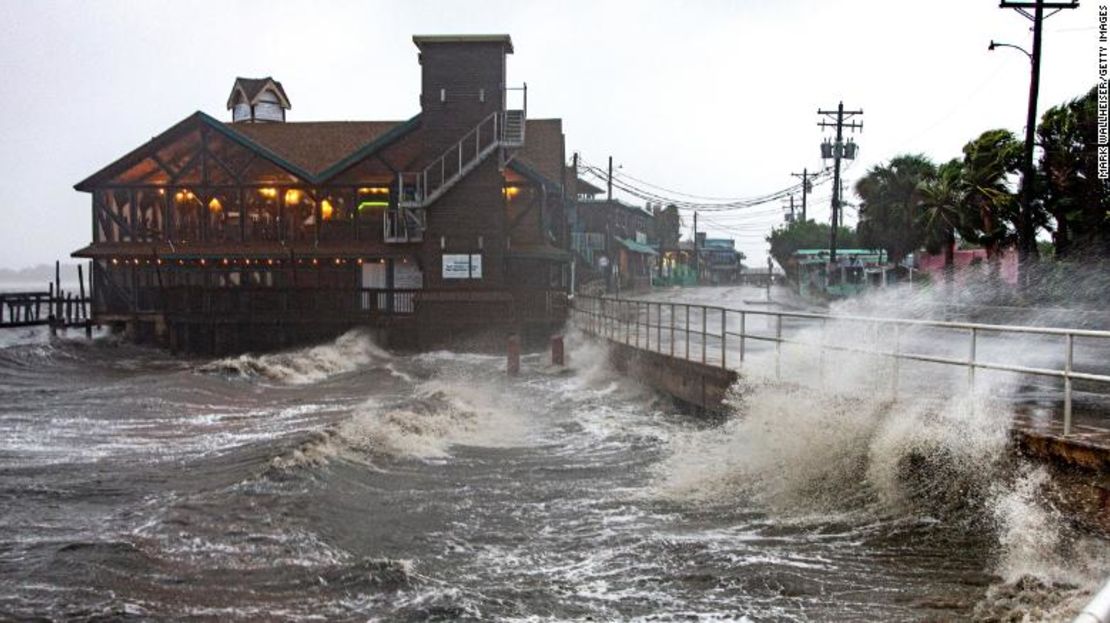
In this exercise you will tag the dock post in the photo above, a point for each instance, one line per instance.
(81, 302)
(513, 365)
(51, 308)
(558, 352)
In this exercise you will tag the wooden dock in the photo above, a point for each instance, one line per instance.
(52, 307)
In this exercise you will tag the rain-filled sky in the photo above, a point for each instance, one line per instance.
(712, 98)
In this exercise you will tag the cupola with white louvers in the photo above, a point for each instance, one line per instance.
(257, 100)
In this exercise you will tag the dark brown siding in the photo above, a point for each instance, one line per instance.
(462, 70)
(472, 208)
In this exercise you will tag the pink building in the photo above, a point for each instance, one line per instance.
(964, 258)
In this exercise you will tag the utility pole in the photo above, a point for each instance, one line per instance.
(837, 118)
(610, 195)
(792, 207)
(770, 276)
(1027, 243)
(805, 189)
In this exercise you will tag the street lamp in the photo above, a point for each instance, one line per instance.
(1034, 10)
(994, 44)
(1026, 245)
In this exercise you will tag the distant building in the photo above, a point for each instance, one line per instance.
(262, 232)
(613, 239)
(720, 260)
(854, 271)
(965, 261)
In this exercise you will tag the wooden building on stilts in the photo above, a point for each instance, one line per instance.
(261, 233)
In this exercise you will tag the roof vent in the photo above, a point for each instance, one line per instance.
(257, 100)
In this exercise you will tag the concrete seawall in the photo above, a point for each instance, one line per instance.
(692, 383)
(1079, 463)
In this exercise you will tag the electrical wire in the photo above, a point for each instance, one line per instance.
(635, 187)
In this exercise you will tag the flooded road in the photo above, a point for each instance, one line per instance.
(343, 482)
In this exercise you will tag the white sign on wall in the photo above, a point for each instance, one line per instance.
(462, 266)
(456, 266)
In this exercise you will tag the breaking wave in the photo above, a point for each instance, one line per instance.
(801, 450)
(814, 457)
(349, 352)
(440, 414)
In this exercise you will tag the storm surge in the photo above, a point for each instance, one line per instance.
(437, 415)
(846, 438)
(342, 481)
(351, 351)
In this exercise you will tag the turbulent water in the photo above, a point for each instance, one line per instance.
(344, 482)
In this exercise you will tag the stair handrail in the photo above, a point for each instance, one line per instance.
(424, 181)
(458, 151)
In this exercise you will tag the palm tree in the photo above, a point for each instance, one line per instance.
(888, 212)
(942, 213)
(988, 160)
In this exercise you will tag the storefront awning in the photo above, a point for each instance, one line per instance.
(636, 247)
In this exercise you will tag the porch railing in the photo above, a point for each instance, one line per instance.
(262, 301)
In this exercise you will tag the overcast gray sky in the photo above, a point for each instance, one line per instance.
(711, 98)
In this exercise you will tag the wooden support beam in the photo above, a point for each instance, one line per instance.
(527, 210)
(163, 165)
(204, 156)
(185, 167)
(223, 165)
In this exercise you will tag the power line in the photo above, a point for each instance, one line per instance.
(622, 183)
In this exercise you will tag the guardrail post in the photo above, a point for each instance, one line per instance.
(724, 341)
(743, 334)
(672, 329)
(778, 347)
(971, 362)
(627, 325)
(636, 322)
(659, 327)
(687, 306)
(1067, 383)
(603, 319)
(610, 325)
(704, 332)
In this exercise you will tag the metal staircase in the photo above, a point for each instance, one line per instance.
(419, 189)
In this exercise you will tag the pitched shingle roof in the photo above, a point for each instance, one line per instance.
(253, 86)
(315, 145)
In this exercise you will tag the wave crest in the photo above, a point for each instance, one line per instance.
(347, 353)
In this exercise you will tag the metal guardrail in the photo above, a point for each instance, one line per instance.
(631, 322)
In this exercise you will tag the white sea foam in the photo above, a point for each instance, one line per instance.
(349, 352)
(831, 441)
(438, 415)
